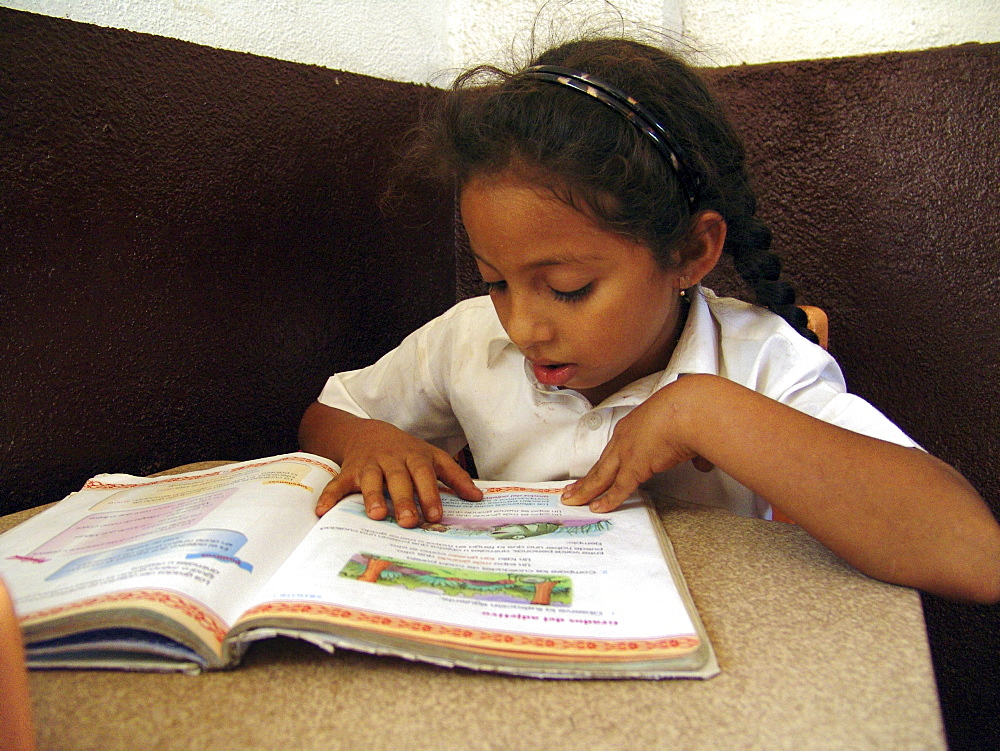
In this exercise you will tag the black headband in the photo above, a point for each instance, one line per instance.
(631, 110)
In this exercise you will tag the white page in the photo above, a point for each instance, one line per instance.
(213, 536)
(611, 582)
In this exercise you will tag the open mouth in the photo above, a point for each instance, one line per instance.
(554, 374)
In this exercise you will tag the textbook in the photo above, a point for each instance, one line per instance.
(184, 572)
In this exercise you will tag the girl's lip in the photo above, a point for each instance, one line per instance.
(554, 374)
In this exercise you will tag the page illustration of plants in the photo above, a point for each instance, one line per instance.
(493, 586)
(504, 526)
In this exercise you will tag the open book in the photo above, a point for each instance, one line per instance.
(184, 572)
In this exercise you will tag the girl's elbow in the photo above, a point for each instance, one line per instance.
(981, 582)
(989, 596)
(976, 547)
(975, 589)
(983, 591)
(987, 592)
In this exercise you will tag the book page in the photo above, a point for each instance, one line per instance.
(518, 572)
(191, 547)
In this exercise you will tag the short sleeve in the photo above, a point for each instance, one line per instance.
(408, 386)
(854, 413)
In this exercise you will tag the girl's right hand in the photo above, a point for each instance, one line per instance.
(378, 456)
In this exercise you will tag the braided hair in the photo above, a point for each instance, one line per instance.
(595, 159)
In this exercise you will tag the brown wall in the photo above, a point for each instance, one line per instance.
(878, 176)
(189, 246)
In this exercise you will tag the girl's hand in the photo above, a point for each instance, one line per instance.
(646, 441)
(375, 456)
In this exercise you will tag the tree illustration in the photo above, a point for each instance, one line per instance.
(374, 569)
(542, 586)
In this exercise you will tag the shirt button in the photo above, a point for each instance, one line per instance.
(592, 420)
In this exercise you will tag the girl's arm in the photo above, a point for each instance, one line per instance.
(897, 514)
(375, 456)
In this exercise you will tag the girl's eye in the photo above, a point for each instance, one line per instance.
(573, 295)
(498, 286)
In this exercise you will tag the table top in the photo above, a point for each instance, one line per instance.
(812, 653)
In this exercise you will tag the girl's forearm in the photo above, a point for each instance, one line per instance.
(896, 513)
(325, 430)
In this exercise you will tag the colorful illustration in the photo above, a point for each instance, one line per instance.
(505, 527)
(529, 529)
(477, 585)
(515, 528)
(120, 525)
(220, 544)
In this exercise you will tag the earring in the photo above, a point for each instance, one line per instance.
(682, 283)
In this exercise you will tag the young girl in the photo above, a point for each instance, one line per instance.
(598, 187)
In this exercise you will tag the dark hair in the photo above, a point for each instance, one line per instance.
(596, 160)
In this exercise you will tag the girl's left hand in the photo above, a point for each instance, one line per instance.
(646, 441)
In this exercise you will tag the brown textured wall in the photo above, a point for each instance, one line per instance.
(878, 176)
(189, 245)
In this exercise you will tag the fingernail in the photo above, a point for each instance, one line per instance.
(568, 490)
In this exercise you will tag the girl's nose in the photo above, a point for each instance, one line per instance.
(526, 323)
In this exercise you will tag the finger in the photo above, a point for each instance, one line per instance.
(372, 487)
(616, 495)
(334, 491)
(400, 487)
(426, 483)
(590, 486)
(456, 478)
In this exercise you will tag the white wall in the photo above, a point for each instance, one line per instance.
(427, 40)
(401, 40)
(757, 31)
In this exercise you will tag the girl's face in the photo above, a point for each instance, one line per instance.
(590, 310)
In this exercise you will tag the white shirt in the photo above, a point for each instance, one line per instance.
(459, 379)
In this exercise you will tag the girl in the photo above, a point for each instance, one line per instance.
(598, 186)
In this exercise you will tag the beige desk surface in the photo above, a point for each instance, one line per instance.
(813, 654)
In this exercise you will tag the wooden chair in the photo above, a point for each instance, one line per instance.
(818, 323)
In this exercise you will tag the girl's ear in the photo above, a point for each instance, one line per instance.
(702, 251)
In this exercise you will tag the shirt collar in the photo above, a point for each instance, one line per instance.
(496, 346)
(697, 350)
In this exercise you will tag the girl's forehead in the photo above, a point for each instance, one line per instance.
(515, 181)
(514, 223)
(511, 207)
(516, 193)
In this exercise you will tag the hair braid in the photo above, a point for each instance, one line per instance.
(748, 243)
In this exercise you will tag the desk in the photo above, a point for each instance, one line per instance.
(813, 655)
